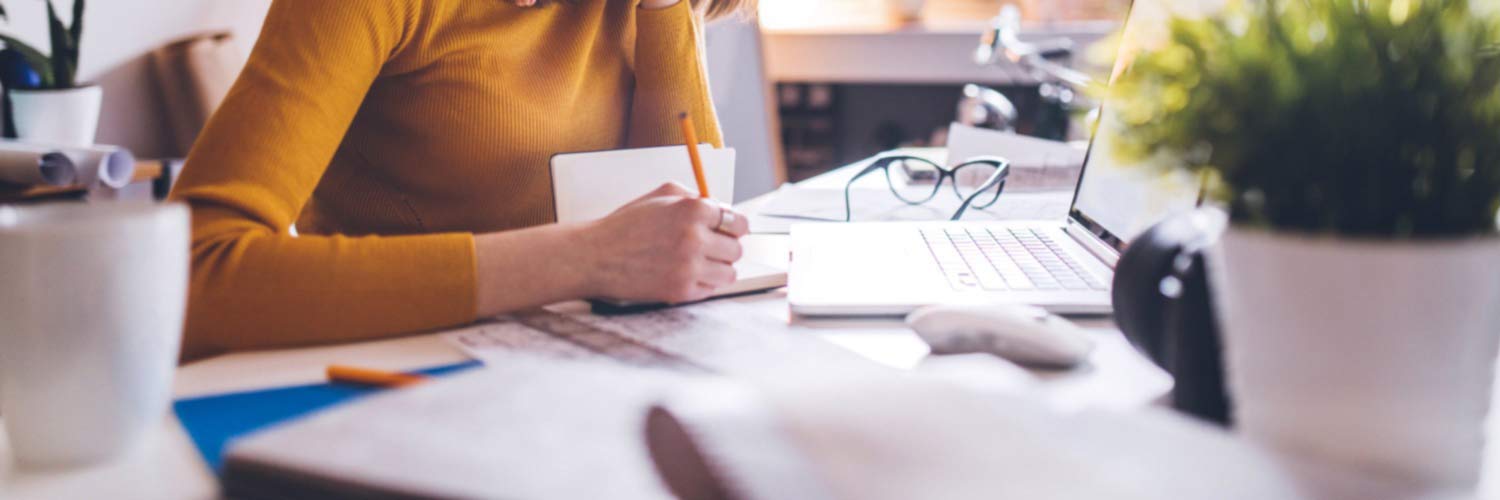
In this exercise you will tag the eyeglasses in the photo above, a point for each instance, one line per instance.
(991, 168)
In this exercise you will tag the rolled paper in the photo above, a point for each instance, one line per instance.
(112, 166)
(30, 165)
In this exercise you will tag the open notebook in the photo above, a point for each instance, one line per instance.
(588, 186)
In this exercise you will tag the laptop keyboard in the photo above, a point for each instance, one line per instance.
(1006, 259)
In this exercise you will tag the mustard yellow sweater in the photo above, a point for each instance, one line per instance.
(390, 131)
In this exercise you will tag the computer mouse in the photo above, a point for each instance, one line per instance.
(1022, 334)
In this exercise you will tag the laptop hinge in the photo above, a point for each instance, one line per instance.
(1092, 243)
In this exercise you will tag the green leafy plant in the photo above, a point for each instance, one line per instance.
(1366, 118)
(59, 68)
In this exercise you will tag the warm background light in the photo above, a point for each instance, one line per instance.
(813, 14)
(794, 14)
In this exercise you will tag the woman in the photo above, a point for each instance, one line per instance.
(408, 141)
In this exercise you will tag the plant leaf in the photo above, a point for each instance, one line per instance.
(38, 61)
(76, 30)
(62, 64)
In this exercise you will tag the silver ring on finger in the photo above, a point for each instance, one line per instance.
(726, 218)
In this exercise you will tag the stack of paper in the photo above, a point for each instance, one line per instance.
(558, 412)
(906, 437)
(529, 427)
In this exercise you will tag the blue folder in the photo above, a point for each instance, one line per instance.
(213, 421)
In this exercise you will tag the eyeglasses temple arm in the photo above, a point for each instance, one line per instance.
(998, 177)
(849, 205)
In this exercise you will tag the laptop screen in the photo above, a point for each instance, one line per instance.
(1118, 202)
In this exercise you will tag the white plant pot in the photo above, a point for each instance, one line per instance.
(68, 117)
(1375, 356)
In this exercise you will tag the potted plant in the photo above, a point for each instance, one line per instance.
(47, 103)
(1356, 147)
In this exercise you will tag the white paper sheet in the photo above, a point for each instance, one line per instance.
(965, 142)
(1036, 164)
(792, 205)
(716, 337)
(110, 166)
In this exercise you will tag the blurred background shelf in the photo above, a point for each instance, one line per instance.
(852, 78)
(919, 53)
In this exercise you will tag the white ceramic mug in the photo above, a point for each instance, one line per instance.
(92, 299)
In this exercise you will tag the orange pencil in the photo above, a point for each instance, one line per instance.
(690, 134)
(366, 376)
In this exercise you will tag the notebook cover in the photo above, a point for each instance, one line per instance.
(591, 185)
(754, 278)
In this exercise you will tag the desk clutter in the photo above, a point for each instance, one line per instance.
(541, 428)
(791, 205)
(38, 164)
(1040, 178)
(582, 382)
(35, 172)
(583, 406)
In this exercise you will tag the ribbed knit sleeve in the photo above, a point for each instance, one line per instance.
(671, 77)
(255, 166)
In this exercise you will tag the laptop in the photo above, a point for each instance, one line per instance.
(1065, 266)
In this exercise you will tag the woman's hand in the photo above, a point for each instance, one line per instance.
(664, 247)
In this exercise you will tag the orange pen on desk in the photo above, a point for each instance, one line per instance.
(378, 378)
(690, 134)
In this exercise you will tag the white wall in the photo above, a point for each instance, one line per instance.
(736, 74)
(118, 34)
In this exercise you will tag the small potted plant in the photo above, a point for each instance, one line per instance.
(47, 103)
(1356, 147)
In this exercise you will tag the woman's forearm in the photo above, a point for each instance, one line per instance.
(670, 77)
(529, 268)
